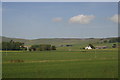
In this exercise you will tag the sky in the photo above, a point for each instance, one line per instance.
(32, 20)
(60, 0)
(0, 18)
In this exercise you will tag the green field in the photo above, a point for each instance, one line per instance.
(62, 63)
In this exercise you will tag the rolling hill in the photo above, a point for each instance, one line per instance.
(57, 41)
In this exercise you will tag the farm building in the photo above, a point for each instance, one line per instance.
(101, 47)
(27, 47)
(88, 47)
(66, 45)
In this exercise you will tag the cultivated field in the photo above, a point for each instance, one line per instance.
(62, 63)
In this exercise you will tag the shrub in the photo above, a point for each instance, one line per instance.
(43, 47)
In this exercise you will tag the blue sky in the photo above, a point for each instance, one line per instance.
(0, 19)
(60, 0)
(31, 20)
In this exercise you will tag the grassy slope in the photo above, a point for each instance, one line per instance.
(74, 64)
(56, 41)
(6, 39)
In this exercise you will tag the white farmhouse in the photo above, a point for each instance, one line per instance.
(88, 47)
(27, 47)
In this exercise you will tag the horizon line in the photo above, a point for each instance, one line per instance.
(61, 37)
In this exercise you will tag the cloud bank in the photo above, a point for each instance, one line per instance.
(82, 19)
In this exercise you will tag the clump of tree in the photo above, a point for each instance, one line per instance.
(53, 48)
(42, 47)
(105, 41)
(12, 45)
(113, 40)
(91, 46)
(114, 46)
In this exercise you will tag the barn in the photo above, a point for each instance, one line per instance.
(88, 47)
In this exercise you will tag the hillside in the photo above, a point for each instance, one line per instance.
(58, 41)
(6, 39)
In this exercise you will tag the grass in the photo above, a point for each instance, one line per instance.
(62, 64)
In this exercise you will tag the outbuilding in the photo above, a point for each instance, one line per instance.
(88, 47)
(101, 47)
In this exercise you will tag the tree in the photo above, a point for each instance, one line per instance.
(105, 41)
(53, 48)
(114, 46)
(91, 46)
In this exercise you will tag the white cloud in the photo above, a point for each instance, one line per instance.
(82, 19)
(57, 19)
(114, 18)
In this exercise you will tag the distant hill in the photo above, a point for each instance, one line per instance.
(6, 39)
(57, 41)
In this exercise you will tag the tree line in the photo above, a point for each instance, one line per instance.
(11, 45)
(42, 47)
(110, 40)
(113, 40)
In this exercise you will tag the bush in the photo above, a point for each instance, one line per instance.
(43, 47)
(53, 48)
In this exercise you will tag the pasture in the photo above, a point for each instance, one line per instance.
(101, 63)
